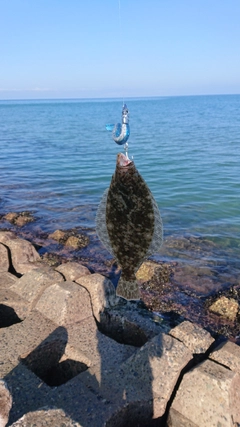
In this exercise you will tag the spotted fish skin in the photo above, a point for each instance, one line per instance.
(129, 223)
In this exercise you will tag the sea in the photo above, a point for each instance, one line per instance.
(57, 158)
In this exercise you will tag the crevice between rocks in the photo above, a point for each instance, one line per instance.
(11, 268)
(196, 359)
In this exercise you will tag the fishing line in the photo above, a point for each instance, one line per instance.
(121, 46)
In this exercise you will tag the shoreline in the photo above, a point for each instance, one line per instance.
(180, 288)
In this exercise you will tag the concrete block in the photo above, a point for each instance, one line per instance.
(7, 280)
(72, 270)
(23, 254)
(209, 395)
(46, 418)
(65, 303)
(101, 290)
(228, 354)
(197, 339)
(5, 403)
(154, 371)
(4, 261)
(31, 285)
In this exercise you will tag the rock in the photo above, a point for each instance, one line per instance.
(154, 371)
(31, 285)
(13, 308)
(209, 395)
(23, 254)
(23, 220)
(57, 235)
(101, 290)
(11, 216)
(228, 354)
(5, 403)
(6, 235)
(77, 242)
(65, 303)
(73, 241)
(7, 280)
(4, 261)
(195, 338)
(72, 270)
(226, 307)
(19, 219)
(150, 270)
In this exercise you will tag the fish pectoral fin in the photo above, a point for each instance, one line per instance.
(128, 289)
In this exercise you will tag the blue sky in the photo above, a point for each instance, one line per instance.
(81, 49)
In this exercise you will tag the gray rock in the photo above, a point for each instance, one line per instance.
(4, 261)
(198, 340)
(228, 354)
(72, 270)
(101, 290)
(5, 403)
(14, 306)
(32, 284)
(209, 395)
(65, 303)
(154, 371)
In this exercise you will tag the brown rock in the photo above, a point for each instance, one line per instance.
(198, 340)
(150, 270)
(228, 354)
(5, 403)
(65, 303)
(101, 290)
(72, 270)
(7, 280)
(208, 396)
(57, 235)
(226, 307)
(4, 261)
(73, 241)
(11, 216)
(23, 220)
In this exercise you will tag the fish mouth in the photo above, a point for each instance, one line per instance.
(123, 161)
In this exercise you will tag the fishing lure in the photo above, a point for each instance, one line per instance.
(121, 131)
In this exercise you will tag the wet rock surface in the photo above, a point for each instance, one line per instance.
(74, 354)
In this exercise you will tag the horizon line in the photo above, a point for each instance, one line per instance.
(117, 97)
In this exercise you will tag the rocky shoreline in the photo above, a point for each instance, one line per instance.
(203, 292)
(74, 354)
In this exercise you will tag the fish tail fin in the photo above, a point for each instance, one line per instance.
(128, 289)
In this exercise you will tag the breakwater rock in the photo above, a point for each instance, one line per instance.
(74, 354)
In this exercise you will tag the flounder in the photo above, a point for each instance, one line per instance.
(129, 223)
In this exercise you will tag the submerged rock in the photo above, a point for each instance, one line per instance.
(70, 238)
(19, 218)
(227, 307)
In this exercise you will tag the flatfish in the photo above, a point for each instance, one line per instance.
(129, 223)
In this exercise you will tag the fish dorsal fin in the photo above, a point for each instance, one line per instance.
(157, 238)
(101, 226)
